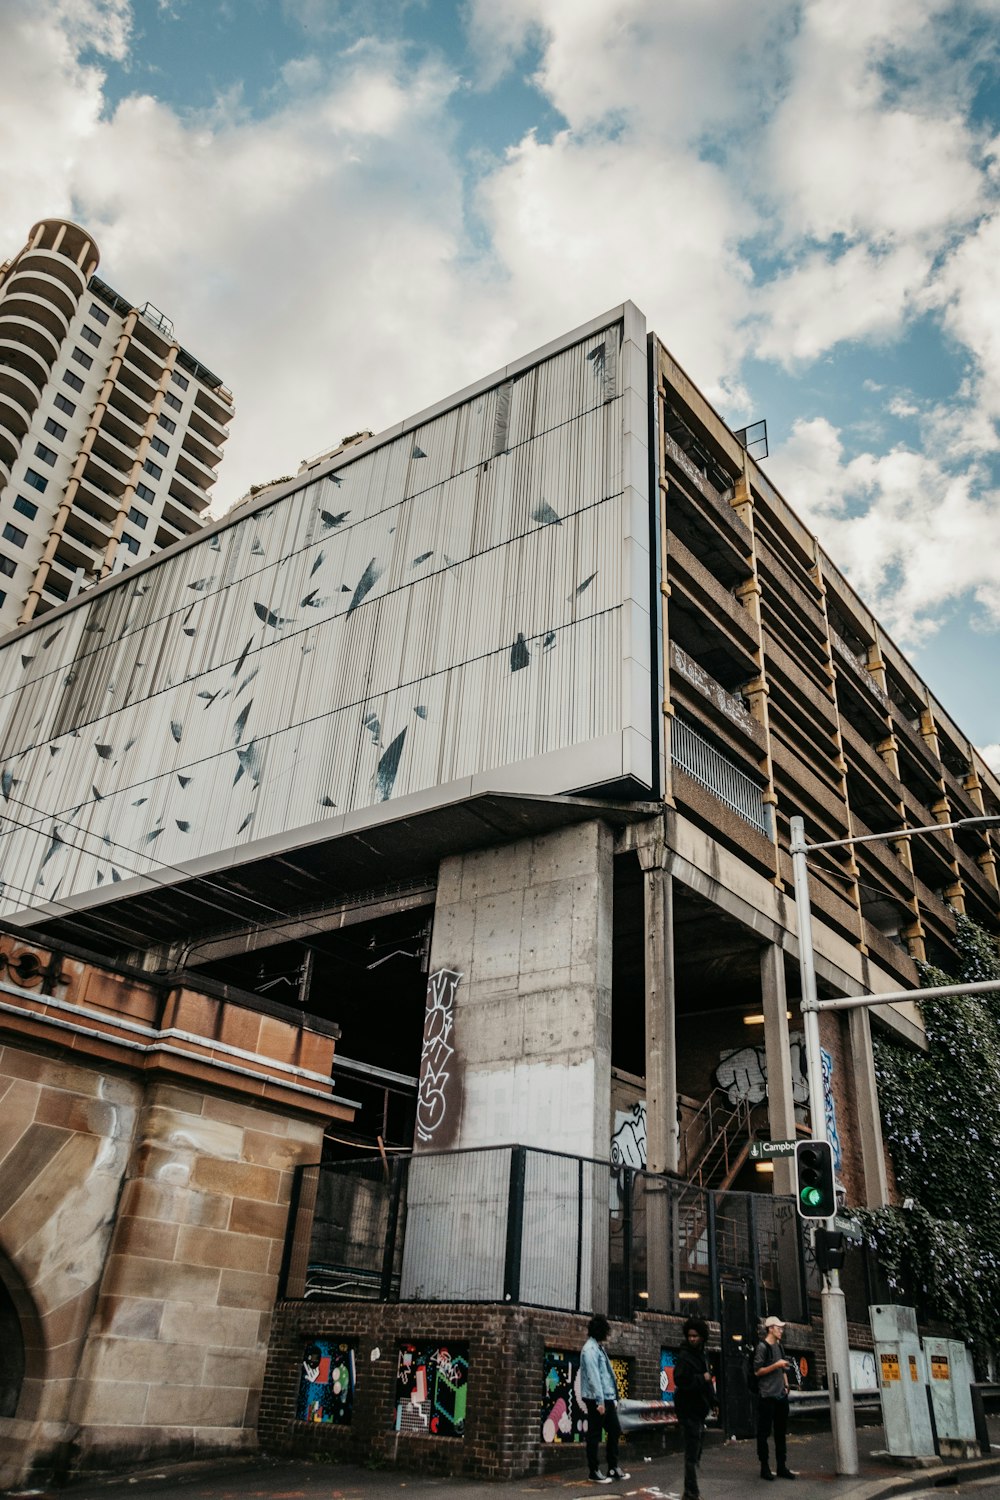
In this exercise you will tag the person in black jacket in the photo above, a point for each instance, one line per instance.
(694, 1398)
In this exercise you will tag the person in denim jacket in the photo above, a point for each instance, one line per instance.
(600, 1396)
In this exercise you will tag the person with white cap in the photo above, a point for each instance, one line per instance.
(771, 1369)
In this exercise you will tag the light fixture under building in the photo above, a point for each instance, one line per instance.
(758, 1020)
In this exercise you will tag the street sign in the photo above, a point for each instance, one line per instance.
(849, 1228)
(768, 1150)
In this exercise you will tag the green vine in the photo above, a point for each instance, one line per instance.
(941, 1116)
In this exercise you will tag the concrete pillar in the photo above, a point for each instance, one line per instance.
(661, 1038)
(869, 1118)
(661, 1063)
(517, 1049)
(780, 1102)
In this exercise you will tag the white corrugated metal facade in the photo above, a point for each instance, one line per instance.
(461, 604)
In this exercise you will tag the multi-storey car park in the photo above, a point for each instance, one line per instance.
(474, 747)
(110, 431)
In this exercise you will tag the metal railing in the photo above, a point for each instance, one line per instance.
(716, 1140)
(539, 1228)
(719, 776)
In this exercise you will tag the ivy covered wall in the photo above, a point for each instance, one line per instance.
(941, 1116)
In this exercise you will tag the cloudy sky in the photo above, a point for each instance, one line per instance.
(351, 208)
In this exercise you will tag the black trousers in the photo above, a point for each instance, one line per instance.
(772, 1414)
(693, 1429)
(609, 1422)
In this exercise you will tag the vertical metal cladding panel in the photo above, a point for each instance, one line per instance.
(456, 1226)
(431, 610)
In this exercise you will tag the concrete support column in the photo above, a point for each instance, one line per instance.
(662, 1151)
(516, 1052)
(780, 1101)
(869, 1118)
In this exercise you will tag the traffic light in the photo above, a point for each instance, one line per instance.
(815, 1186)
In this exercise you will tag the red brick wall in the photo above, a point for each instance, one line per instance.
(506, 1346)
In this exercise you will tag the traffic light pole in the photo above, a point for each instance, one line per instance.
(833, 1303)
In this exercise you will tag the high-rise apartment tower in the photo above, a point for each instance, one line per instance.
(110, 431)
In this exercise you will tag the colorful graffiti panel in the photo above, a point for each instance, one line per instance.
(667, 1375)
(563, 1414)
(432, 1389)
(327, 1381)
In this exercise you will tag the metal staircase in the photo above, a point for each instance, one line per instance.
(716, 1143)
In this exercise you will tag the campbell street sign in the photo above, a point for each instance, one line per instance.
(768, 1150)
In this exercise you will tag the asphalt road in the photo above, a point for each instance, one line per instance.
(729, 1471)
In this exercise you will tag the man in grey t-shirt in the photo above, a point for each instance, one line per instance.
(771, 1368)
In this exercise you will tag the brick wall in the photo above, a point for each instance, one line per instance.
(502, 1437)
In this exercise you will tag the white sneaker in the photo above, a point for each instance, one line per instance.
(599, 1478)
(618, 1474)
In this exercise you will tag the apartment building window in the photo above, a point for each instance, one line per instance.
(131, 542)
(73, 381)
(167, 423)
(7, 566)
(15, 534)
(47, 455)
(172, 400)
(55, 429)
(26, 507)
(137, 518)
(90, 334)
(35, 480)
(82, 358)
(3, 597)
(153, 469)
(179, 379)
(144, 492)
(159, 446)
(98, 313)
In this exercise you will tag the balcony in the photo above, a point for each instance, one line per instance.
(126, 405)
(213, 406)
(213, 434)
(33, 309)
(21, 371)
(100, 500)
(705, 765)
(29, 335)
(193, 470)
(186, 499)
(51, 263)
(105, 476)
(135, 381)
(206, 454)
(39, 284)
(144, 361)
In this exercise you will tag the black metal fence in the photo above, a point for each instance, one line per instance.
(515, 1224)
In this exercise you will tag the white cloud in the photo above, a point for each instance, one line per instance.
(829, 299)
(852, 151)
(908, 532)
(991, 755)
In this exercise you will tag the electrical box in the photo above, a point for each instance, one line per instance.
(951, 1397)
(902, 1382)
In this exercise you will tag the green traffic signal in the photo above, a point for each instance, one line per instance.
(815, 1180)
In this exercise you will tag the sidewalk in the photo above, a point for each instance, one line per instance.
(729, 1471)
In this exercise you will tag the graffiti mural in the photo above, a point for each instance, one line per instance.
(436, 1053)
(563, 1413)
(564, 1416)
(628, 1144)
(742, 1072)
(327, 1381)
(432, 1389)
(667, 1376)
(830, 1107)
